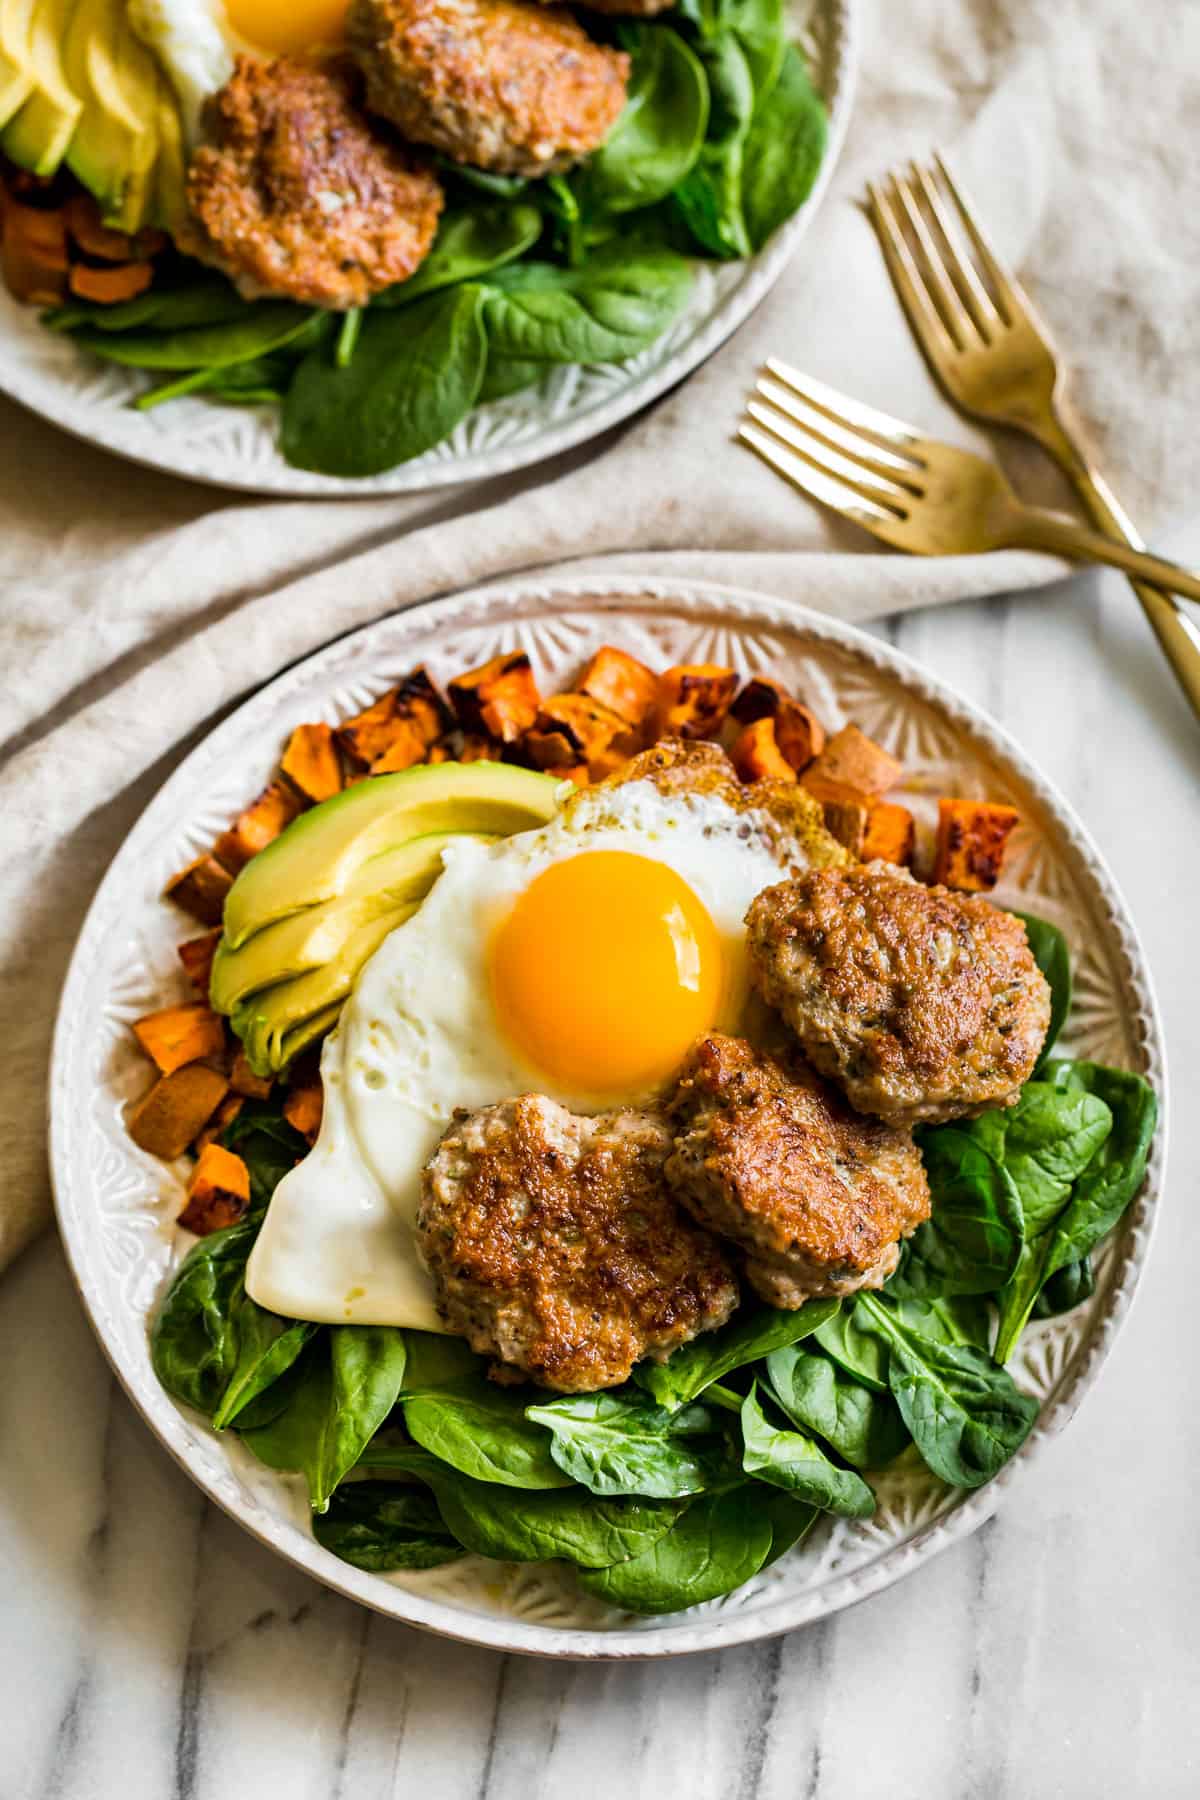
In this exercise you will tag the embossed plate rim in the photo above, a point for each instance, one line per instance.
(136, 438)
(372, 649)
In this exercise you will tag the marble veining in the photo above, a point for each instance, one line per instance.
(150, 1650)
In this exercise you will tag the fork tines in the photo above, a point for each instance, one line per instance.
(939, 258)
(839, 451)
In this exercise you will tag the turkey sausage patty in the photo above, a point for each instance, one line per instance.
(922, 1004)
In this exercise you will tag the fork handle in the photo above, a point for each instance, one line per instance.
(1036, 528)
(1178, 635)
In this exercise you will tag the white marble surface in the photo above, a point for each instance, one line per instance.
(149, 1650)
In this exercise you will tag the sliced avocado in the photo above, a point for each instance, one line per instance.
(299, 1039)
(318, 856)
(116, 141)
(309, 939)
(38, 127)
(270, 1018)
(169, 203)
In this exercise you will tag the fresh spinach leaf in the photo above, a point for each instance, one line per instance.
(268, 1146)
(783, 150)
(758, 26)
(1052, 957)
(795, 1461)
(435, 1359)
(966, 1416)
(481, 1430)
(660, 131)
(416, 372)
(858, 1352)
(351, 1376)
(503, 377)
(791, 1519)
(1051, 1138)
(616, 304)
(720, 1541)
(972, 1239)
(1066, 1289)
(471, 241)
(268, 1345)
(520, 1525)
(194, 1338)
(710, 198)
(864, 1427)
(204, 300)
(617, 1444)
(266, 326)
(753, 1334)
(381, 1525)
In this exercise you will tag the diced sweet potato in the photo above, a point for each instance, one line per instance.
(757, 757)
(576, 772)
(196, 955)
(855, 760)
(244, 1081)
(180, 1034)
(312, 764)
(218, 1191)
(109, 286)
(499, 700)
(890, 835)
(607, 763)
(201, 889)
(971, 839)
(178, 1106)
(397, 729)
(846, 809)
(258, 826)
(620, 682)
(478, 749)
(693, 700)
(573, 728)
(225, 1114)
(303, 1107)
(798, 732)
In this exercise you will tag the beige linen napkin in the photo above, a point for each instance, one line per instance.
(133, 608)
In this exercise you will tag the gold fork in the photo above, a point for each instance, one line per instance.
(911, 491)
(996, 360)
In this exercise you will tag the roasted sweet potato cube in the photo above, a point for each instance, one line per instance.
(312, 764)
(890, 835)
(846, 809)
(576, 772)
(573, 728)
(244, 1081)
(303, 1107)
(475, 748)
(693, 700)
(225, 1114)
(756, 754)
(258, 826)
(607, 763)
(855, 760)
(620, 682)
(218, 1191)
(180, 1034)
(971, 839)
(196, 955)
(398, 728)
(499, 700)
(178, 1106)
(798, 732)
(201, 889)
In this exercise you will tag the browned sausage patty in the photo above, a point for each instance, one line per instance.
(503, 84)
(555, 1247)
(295, 194)
(627, 9)
(768, 1155)
(922, 1004)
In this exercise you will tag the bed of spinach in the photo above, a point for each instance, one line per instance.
(698, 1473)
(720, 141)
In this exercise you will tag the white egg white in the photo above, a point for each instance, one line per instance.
(419, 1038)
(195, 45)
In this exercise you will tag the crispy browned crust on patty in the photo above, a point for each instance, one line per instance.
(505, 85)
(768, 1155)
(295, 193)
(555, 1247)
(922, 1004)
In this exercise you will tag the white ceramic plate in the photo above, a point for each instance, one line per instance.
(116, 1206)
(238, 447)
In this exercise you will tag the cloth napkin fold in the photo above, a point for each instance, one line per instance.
(134, 609)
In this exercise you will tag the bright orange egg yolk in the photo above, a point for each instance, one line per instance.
(280, 29)
(604, 972)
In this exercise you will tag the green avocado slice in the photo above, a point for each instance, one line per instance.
(115, 146)
(321, 853)
(38, 131)
(313, 937)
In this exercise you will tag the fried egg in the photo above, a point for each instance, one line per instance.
(579, 960)
(196, 40)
